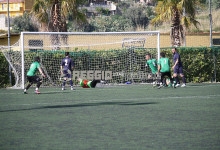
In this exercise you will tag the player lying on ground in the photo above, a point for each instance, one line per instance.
(32, 77)
(88, 84)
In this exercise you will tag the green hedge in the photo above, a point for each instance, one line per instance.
(4, 72)
(200, 64)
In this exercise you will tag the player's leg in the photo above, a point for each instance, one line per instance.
(175, 77)
(30, 82)
(156, 79)
(166, 76)
(169, 80)
(69, 74)
(182, 76)
(175, 80)
(71, 84)
(94, 82)
(64, 75)
(38, 80)
(64, 83)
(162, 80)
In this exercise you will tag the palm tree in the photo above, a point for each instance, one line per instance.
(53, 14)
(181, 13)
(40, 11)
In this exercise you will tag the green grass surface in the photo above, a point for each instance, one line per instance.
(125, 117)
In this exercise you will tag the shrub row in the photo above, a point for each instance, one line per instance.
(201, 64)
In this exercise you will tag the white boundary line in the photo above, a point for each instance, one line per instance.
(107, 87)
(114, 100)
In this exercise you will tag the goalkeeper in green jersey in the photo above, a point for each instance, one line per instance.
(152, 64)
(164, 69)
(32, 77)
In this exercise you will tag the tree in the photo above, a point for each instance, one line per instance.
(138, 14)
(53, 14)
(216, 4)
(181, 14)
(23, 23)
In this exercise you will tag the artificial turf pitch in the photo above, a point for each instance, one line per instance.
(122, 117)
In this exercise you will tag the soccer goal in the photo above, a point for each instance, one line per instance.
(116, 57)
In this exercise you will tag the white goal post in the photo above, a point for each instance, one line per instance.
(116, 57)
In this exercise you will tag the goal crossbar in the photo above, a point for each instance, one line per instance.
(121, 53)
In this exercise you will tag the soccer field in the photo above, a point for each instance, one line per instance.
(122, 117)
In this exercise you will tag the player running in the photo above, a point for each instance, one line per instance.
(66, 68)
(32, 77)
(164, 69)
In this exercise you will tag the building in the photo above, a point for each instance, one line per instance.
(95, 4)
(16, 8)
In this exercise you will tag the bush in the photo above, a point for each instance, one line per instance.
(200, 64)
(4, 67)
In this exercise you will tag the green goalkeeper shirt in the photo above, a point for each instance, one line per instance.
(33, 68)
(152, 63)
(164, 64)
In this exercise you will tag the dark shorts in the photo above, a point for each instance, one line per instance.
(168, 74)
(67, 73)
(33, 79)
(178, 70)
(94, 82)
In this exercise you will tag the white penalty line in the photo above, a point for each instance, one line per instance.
(79, 89)
(113, 100)
(108, 87)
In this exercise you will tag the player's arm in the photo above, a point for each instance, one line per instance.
(155, 62)
(177, 60)
(158, 68)
(72, 65)
(146, 65)
(41, 71)
(61, 68)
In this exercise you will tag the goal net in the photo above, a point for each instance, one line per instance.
(115, 57)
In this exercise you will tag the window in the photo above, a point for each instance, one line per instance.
(35, 45)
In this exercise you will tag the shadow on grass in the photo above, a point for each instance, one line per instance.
(83, 105)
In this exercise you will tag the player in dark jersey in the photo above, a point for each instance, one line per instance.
(178, 68)
(66, 67)
(32, 77)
